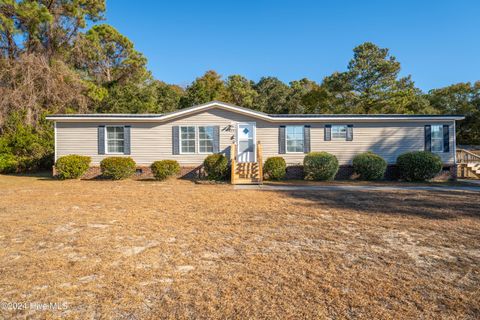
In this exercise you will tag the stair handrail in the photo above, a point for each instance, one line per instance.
(466, 156)
(260, 161)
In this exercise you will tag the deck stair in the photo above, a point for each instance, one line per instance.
(474, 167)
(246, 172)
(468, 164)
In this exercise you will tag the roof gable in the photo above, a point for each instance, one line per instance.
(215, 105)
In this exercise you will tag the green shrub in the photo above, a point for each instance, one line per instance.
(166, 168)
(8, 163)
(31, 145)
(419, 165)
(320, 166)
(369, 166)
(72, 166)
(117, 168)
(275, 168)
(216, 166)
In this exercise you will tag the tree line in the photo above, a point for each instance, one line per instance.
(50, 63)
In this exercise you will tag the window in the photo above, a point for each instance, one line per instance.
(294, 138)
(115, 139)
(187, 139)
(437, 138)
(193, 136)
(339, 132)
(205, 139)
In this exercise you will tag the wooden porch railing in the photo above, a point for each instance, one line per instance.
(465, 156)
(260, 162)
(466, 161)
(256, 177)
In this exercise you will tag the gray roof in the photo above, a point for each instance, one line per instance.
(333, 116)
(254, 113)
(108, 115)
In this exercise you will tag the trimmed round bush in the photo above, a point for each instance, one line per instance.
(320, 166)
(117, 168)
(8, 163)
(275, 168)
(419, 165)
(216, 166)
(72, 166)
(369, 166)
(164, 169)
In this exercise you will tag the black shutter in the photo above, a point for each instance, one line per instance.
(216, 139)
(306, 139)
(328, 132)
(281, 140)
(446, 138)
(175, 140)
(101, 139)
(428, 137)
(126, 141)
(350, 132)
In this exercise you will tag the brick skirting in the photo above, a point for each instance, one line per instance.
(144, 172)
(345, 172)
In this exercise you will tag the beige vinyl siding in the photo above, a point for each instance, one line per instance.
(151, 141)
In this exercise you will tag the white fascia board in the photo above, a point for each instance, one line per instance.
(266, 118)
(254, 114)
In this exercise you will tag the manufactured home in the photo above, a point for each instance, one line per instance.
(249, 137)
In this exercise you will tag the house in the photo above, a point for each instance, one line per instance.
(189, 135)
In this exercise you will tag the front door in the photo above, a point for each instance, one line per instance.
(246, 142)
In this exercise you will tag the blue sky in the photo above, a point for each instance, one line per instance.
(437, 42)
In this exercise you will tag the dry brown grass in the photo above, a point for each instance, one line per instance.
(143, 249)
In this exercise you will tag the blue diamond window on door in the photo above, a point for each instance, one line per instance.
(245, 131)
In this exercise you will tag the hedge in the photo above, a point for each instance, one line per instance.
(8, 163)
(72, 166)
(164, 169)
(117, 168)
(216, 166)
(369, 166)
(275, 168)
(320, 166)
(419, 165)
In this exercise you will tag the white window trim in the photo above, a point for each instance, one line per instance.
(431, 138)
(106, 139)
(339, 139)
(286, 142)
(197, 139)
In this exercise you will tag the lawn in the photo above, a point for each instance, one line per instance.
(145, 249)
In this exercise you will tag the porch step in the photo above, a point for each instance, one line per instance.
(247, 173)
(474, 167)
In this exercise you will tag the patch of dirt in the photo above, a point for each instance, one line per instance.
(176, 249)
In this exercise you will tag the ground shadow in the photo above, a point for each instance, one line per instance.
(426, 204)
(41, 175)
